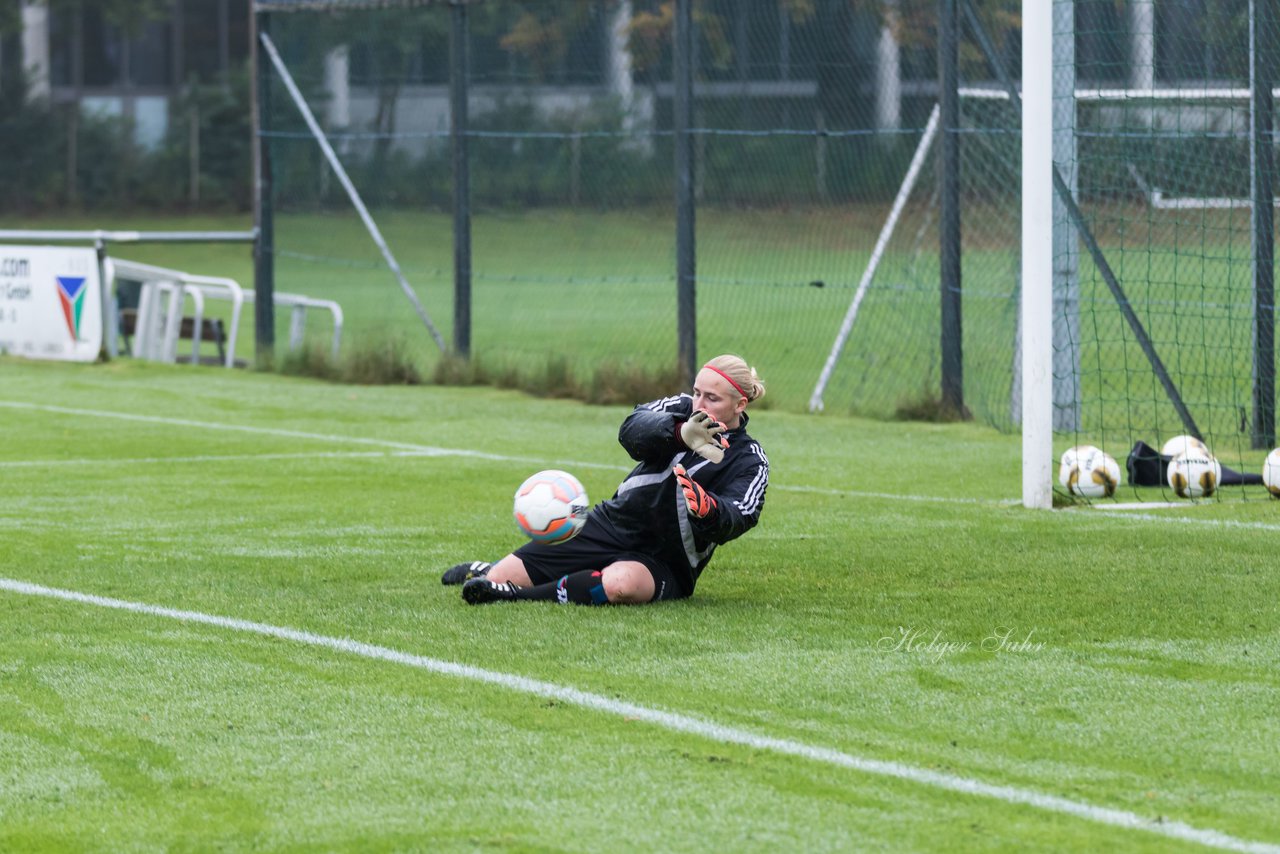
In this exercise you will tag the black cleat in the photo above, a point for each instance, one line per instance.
(465, 572)
(480, 591)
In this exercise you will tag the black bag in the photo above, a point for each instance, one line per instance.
(1148, 467)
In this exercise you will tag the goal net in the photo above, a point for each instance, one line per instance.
(885, 362)
(1155, 321)
(1159, 153)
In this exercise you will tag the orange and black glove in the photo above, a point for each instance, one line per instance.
(697, 499)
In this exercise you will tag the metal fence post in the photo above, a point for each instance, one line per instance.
(686, 253)
(949, 215)
(458, 73)
(263, 212)
(1262, 73)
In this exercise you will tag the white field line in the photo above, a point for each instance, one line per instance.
(202, 458)
(409, 449)
(338, 455)
(1178, 520)
(675, 721)
(420, 450)
(405, 449)
(898, 496)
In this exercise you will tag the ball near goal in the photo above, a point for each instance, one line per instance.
(1194, 475)
(1089, 472)
(1271, 473)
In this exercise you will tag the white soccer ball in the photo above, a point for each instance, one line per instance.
(1194, 475)
(1070, 457)
(551, 507)
(1271, 473)
(1185, 445)
(1090, 472)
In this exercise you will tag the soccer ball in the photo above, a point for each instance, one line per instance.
(1271, 473)
(1185, 445)
(1089, 471)
(1194, 475)
(551, 507)
(1068, 462)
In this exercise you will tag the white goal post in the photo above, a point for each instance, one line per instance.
(1036, 310)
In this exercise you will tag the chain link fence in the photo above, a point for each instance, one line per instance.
(807, 116)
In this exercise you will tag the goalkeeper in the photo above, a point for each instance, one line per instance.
(700, 482)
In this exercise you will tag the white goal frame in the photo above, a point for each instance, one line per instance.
(1036, 309)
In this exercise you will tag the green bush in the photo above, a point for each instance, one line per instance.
(32, 170)
(111, 172)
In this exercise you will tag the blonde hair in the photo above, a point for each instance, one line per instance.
(740, 374)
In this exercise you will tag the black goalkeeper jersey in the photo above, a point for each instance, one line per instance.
(648, 512)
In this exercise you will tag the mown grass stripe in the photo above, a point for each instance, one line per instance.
(412, 449)
(424, 450)
(676, 722)
(409, 448)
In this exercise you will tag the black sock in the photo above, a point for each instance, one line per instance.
(580, 588)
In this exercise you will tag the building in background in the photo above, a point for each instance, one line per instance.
(76, 55)
(380, 75)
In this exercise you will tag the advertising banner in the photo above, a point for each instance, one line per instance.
(50, 303)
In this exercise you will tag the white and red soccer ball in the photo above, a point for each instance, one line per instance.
(551, 507)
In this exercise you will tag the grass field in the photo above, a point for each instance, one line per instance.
(583, 288)
(833, 684)
(586, 286)
(562, 295)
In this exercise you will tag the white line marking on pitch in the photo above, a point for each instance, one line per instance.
(219, 458)
(411, 449)
(424, 450)
(897, 496)
(1122, 516)
(676, 722)
(204, 458)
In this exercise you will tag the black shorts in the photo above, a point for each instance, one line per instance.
(594, 548)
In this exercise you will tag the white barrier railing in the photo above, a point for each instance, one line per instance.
(164, 291)
(298, 305)
(222, 288)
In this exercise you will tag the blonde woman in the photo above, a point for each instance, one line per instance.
(700, 482)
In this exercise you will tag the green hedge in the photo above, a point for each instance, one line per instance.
(110, 171)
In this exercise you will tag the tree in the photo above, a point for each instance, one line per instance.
(542, 37)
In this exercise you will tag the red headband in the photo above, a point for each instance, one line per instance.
(727, 377)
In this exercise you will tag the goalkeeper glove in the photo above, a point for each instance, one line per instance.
(701, 434)
(697, 499)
